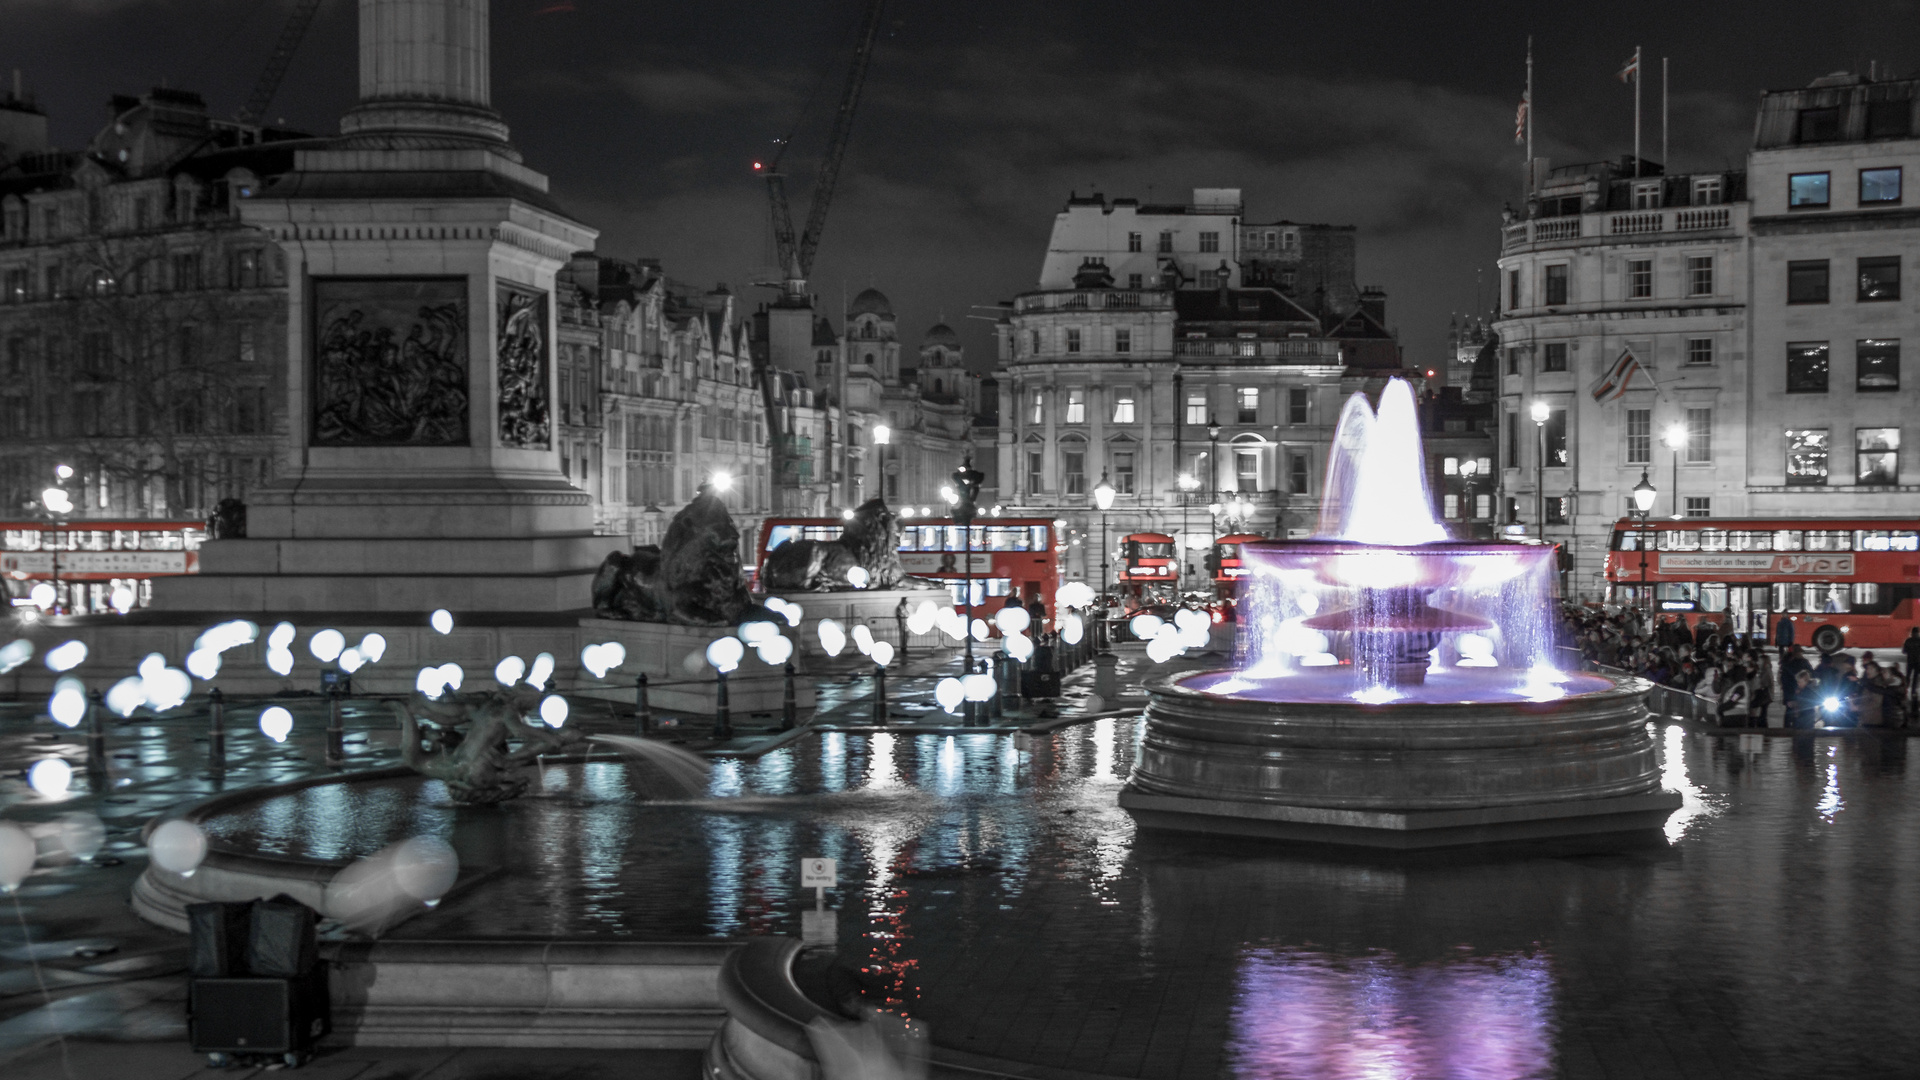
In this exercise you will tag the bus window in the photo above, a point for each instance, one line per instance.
(1883, 540)
(1675, 590)
(1749, 540)
(1040, 538)
(1830, 598)
(780, 534)
(1713, 596)
(1788, 540)
(1872, 598)
(1680, 540)
(1829, 540)
(1713, 540)
(1627, 541)
(1786, 596)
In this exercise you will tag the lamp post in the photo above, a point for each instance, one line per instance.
(1213, 457)
(1676, 441)
(1103, 498)
(1643, 496)
(1468, 469)
(966, 489)
(1541, 412)
(56, 502)
(882, 435)
(1186, 482)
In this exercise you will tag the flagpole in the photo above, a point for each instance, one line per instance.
(1636, 112)
(1663, 115)
(1529, 100)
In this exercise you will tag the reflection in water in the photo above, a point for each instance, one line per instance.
(1300, 1013)
(1829, 806)
(1674, 777)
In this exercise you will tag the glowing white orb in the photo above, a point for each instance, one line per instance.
(121, 599)
(43, 595)
(425, 867)
(67, 655)
(452, 675)
(923, 618)
(282, 636)
(326, 645)
(1012, 620)
(14, 653)
(979, 686)
(127, 695)
(1145, 626)
(863, 638)
(725, 653)
(373, 647)
(80, 834)
(508, 670)
(17, 853)
(752, 633)
(553, 710)
(203, 664)
(351, 661)
(775, 651)
(167, 688)
(177, 846)
(949, 693)
(1072, 629)
(68, 705)
(882, 653)
(442, 621)
(832, 638)
(540, 673)
(280, 661)
(429, 682)
(981, 631)
(857, 576)
(1018, 646)
(50, 777)
(276, 723)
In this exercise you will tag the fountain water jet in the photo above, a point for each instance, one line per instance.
(1393, 687)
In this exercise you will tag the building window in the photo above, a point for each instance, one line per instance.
(1249, 405)
(1246, 469)
(1123, 406)
(1699, 506)
(1639, 279)
(1807, 281)
(1699, 275)
(1699, 436)
(1876, 364)
(1483, 506)
(1806, 455)
(1646, 195)
(1513, 442)
(1123, 340)
(1807, 367)
(246, 351)
(1513, 360)
(1039, 413)
(1556, 284)
(1123, 472)
(1880, 185)
(1553, 356)
(1639, 436)
(1819, 125)
(1076, 405)
(1699, 352)
(1133, 241)
(1555, 434)
(1166, 243)
(1876, 455)
(1196, 409)
(1296, 404)
(1073, 341)
(1450, 506)
(1036, 471)
(1707, 191)
(1033, 345)
(1298, 472)
(1073, 468)
(1557, 510)
(1209, 242)
(1889, 119)
(1513, 290)
(1880, 278)
(1808, 191)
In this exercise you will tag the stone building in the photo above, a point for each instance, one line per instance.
(1735, 291)
(142, 324)
(1170, 341)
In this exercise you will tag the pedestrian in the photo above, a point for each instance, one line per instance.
(1910, 649)
(1783, 633)
(1762, 695)
(1733, 695)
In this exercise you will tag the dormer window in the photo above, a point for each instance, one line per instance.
(1646, 195)
(1707, 191)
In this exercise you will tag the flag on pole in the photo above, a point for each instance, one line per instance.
(1630, 70)
(1613, 383)
(1520, 119)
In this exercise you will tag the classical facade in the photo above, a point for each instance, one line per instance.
(142, 324)
(1763, 307)
(1180, 341)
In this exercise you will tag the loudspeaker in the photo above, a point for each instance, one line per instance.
(259, 1016)
(217, 939)
(280, 938)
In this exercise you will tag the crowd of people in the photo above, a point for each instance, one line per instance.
(1745, 676)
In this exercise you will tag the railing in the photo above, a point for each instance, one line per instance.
(1636, 223)
(1082, 300)
(1300, 349)
(1711, 217)
(1557, 229)
(1633, 224)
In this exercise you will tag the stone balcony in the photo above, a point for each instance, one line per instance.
(1725, 220)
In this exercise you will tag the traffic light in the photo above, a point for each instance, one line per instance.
(966, 484)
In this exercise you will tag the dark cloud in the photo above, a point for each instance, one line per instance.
(980, 117)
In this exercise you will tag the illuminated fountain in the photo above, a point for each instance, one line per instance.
(1394, 688)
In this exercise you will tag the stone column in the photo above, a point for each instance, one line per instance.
(424, 68)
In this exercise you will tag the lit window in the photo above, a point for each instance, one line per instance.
(1196, 409)
(1450, 466)
(1879, 279)
(1699, 436)
(1806, 456)
(1880, 186)
(1807, 367)
(1877, 364)
(1808, 191)
(1249, 405)
(1123, 407)
(1076, 405)
(1877, 455)
(1039, 414)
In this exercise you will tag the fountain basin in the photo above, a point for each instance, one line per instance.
(1411, 774)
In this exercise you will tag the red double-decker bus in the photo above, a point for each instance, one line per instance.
(87, 560)
(1845, 582)
(1227, 566)
(1149, 569)
(1010, 556)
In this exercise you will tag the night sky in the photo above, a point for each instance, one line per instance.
(980, 117)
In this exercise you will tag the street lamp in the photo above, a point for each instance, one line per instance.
(882, 435)
(1676, 441)
(1213, 455)
(1541, 412)
(1187, 482)
(1468, 469)
(56, 502)
(1103, 498)
(722, 481)
(1643, 496)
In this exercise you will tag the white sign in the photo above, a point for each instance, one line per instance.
(945, 562)
(819, 874)
(1796, 564)
(109, 563)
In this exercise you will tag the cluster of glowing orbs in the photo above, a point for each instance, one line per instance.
(881, 652)
(435, 681)
(280, 649)
(166, 687)
(276, 723)
(832, 638)
(1144, 626)
(441, 621)
(220, 637)
(553, 710)
(178, 847)
(1074, 594)
(68, 705)
(923, 618)
(724, 654)
(66, 656)
(281, 636)
(786, 609)
(756, 631)
(602, 658)
(50, 777)
(863, 638)
(951, 623)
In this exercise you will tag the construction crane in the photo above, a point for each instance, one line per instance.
(268, 84)
(796, 252)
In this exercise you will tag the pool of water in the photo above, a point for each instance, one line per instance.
(997, 892)
(1340, 684)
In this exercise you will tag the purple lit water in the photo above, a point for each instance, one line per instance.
(1000, 894)
(1335, 685)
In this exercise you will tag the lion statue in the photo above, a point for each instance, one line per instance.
(692, 577)
(870, 541)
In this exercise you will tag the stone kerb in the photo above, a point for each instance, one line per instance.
(765, 1034)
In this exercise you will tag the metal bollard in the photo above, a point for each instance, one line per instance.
(879, 696)
(789, 705)
(1009, 683)
(216, 730)
(722, 713)
(336, 736)
(96, 735)
(642, 714)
